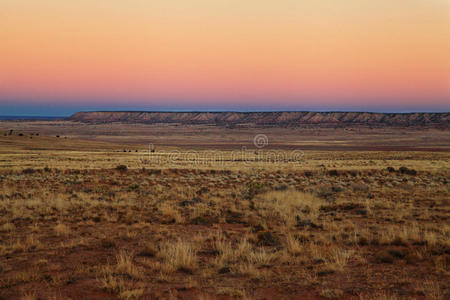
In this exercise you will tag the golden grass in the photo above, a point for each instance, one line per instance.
(8, 227)
(178, 256)
(223, 230)
(62, 230)
(126, 266)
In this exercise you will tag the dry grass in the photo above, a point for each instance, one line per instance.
(29, 296)
(285, 206)
(62, 230)
(8, 227)
(339, 258)
(337, 225)
(126, 266)
(178, 256)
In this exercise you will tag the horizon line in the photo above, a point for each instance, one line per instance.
(2, 116)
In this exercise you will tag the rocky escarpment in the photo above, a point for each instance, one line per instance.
(267, 118)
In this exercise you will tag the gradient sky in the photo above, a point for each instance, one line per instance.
(58, 56)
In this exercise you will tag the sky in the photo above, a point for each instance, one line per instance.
(58, 57)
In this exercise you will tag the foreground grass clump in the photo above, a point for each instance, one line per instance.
(62, 230)
(179, 256)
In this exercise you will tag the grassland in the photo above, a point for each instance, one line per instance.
(94, 214)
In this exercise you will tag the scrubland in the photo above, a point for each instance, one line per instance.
(86, 220)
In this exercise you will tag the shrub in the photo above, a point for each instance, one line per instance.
(333, 173)
(266, 238)
(204, 220)
(28, 171)
(398, 241)
(405, 170)
(359, 187)
(412, 259)
(108, 243)
(397, 252)
(253, 188)
(121, 168)
(353, 173)
(384, 257)
(149, 250)
(362, 241)
(324, 191)
(133, 187)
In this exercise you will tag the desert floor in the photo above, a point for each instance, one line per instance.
(133, 211)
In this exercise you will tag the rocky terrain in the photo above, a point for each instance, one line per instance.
(268, 118)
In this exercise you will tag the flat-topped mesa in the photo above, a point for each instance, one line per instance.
(267, 118)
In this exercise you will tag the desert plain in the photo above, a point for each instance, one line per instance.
(178, 211)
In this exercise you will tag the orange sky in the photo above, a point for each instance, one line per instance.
(226, 53)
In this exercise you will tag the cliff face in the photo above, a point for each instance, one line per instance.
(267, 118)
